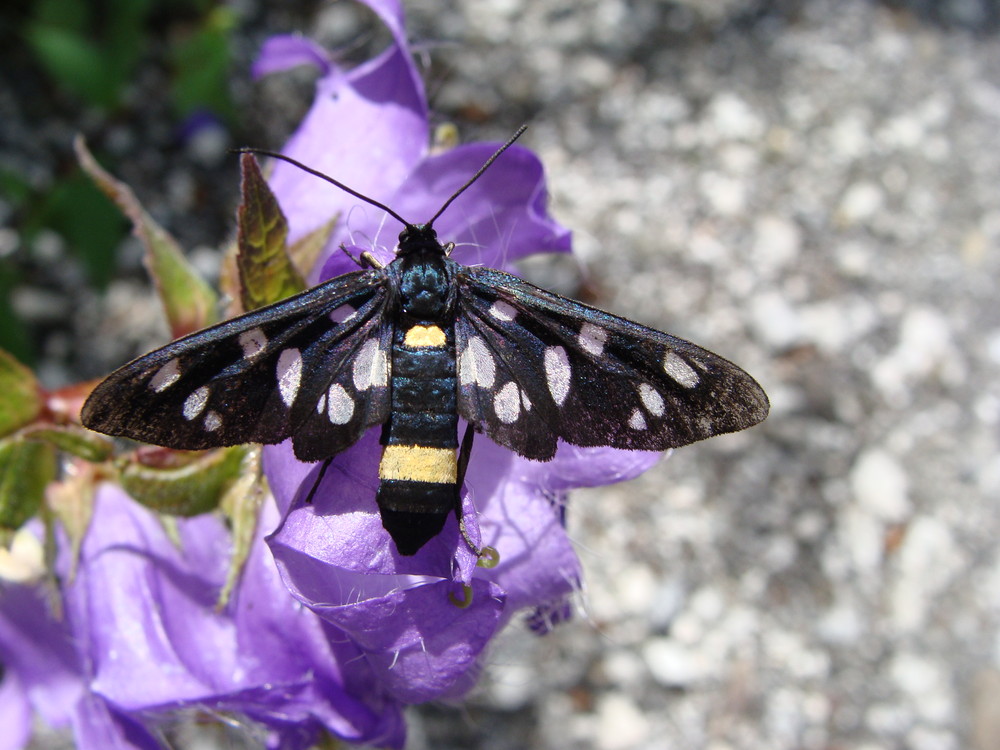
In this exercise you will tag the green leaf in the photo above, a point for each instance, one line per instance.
(188, 490)
(26, 468)
(73, 439)
(202, 63)
(21, 399)
(74, 62)
(14, 337)
(188, 300)
(90, 223)
(267, 273)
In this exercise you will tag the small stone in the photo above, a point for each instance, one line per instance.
(726, 195)
(880, 486)
(775, 321)
(861, 202)
(733, 119)
(924, 682)
(777, 242)
(929, 559)
(620, 723)
(841, 625)
(672, 664)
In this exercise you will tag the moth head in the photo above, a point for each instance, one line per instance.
(417, 238)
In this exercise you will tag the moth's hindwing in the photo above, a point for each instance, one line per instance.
(534, 367)
(312, 367)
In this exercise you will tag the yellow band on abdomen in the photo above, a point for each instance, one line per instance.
(418, 463)
(420, 336)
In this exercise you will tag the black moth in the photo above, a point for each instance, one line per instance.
(413, 346)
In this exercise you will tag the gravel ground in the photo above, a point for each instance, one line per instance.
(808, 188)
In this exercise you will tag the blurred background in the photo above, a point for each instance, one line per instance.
(810, 188)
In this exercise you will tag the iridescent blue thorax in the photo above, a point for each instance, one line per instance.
(424, 274)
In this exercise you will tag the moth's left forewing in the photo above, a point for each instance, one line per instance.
(254, 378)
(598, 379)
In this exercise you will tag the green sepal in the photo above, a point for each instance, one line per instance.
(71, 503)
(189, 302)
(241, 503)
(194, 484)
(75, 440)
(21, 399)
(26, 468)
(267, 273)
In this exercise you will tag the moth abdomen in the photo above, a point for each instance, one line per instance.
(418, 473)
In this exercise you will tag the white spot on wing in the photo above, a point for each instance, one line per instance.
(637, 421)
(592, 339)
(680, 370)
(651, 399)
(371, 367)
(341, 405)
(289, 375)
(195, 403)
(213, 421)
(557, 373)
(502, 311)
(342, 314)
(525, 401)
(321, 404)
(253, 342)
(507, 403)
(166, 376)
(476, 365)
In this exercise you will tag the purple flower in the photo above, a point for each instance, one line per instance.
(368, 128)
(141, 638)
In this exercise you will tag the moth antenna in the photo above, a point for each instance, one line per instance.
(338, 183)
(477, 175)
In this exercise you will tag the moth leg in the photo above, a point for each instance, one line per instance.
(464, 453)
(349, 254)
(367, 260)
(319, 478)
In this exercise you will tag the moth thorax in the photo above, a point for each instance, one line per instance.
(424, 286)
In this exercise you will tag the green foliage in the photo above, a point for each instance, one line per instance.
(91, 52)
(201, 64)
(21, 399)
(87, 221)
(13, 337)
(26, 468)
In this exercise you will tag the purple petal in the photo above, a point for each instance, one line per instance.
(524, 523)
(288, 51)
(41, 651)
(417, 640)
(96, 726)
(15, 712)
(575, 466)
(500, 218)
(157, 641)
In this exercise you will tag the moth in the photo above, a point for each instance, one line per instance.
(413, 346)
